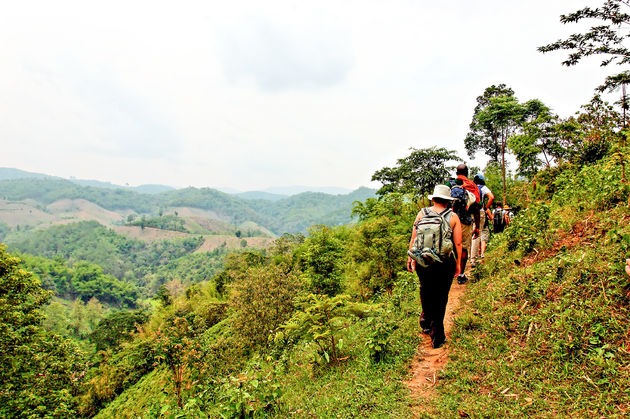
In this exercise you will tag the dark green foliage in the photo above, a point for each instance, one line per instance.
(48, 191)
(83, 280)
(418, 173)
(262, 299)
(321, 261)
(252, 394)
(529, 229)
(297, 213)
(38, 370)
(484, 134)
(319, 319)
(116, 328)
(126, 259)
(164, 296)
(191, 268)
(499, 117)
(537, 144)
(379, 343)
(378, 245)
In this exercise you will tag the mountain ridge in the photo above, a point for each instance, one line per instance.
(291, 214)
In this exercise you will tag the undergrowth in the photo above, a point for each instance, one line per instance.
(545, 328)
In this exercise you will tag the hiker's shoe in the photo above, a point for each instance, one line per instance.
(438, 343)
(462, 279)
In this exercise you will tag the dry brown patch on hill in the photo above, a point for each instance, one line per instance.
(213, 242)
(149, 234)
(194, 223)
(195, 212)
(23, 213)
(83, 210)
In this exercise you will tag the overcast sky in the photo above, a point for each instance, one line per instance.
(252, 94)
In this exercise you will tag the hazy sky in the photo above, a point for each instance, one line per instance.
(252, 94)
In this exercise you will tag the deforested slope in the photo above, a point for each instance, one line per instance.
(293, 214)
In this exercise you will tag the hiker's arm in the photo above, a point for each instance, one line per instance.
(457, 241)
(490, 196)
(628, 266)
(477, 217)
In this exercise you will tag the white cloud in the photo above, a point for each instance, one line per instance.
(255, 94)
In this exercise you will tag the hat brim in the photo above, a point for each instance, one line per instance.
(448, 198)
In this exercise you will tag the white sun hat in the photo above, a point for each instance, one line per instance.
(443, 192)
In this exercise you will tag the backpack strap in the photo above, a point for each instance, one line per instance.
(424, 214)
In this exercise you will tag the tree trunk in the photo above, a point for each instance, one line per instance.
(503, 167)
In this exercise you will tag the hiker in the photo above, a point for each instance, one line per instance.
(434, 253)
(466, 205)
(499, 219)
(508, 215)
(628, 266)
(487, 199)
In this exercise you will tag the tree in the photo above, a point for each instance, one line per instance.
(537, 140)
(176, 348)
(484, 135)
(588, 137)
(116, 328)
(417, 173)
(38, 369)
(606, 39)
(262, 300)
(322, 261)
(500, 119)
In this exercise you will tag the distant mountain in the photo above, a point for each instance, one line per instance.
(261, 195)
(298, 189)
(148, 189)
(9, 173)
(152, 189)
(35, 200)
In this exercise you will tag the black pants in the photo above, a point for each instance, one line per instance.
(435, 284)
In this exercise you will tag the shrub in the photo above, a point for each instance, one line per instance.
(262, 300)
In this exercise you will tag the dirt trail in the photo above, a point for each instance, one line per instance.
(428, 362)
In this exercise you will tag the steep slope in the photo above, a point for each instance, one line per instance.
(545, 331)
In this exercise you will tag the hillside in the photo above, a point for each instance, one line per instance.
(544, 330)
(39, 202)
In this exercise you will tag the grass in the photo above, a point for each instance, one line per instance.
(545, 334)
(308, 387)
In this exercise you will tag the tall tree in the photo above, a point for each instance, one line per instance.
(501, 117)
(417, 173)
(484, 135)
(536, 145)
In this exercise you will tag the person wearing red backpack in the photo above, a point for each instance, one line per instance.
(466, 205)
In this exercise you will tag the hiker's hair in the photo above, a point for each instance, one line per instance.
(478, 181)
(462, 169)
(441, 201)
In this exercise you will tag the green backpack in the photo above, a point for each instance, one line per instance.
(433, 242)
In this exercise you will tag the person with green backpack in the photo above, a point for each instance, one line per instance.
(435, 252)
